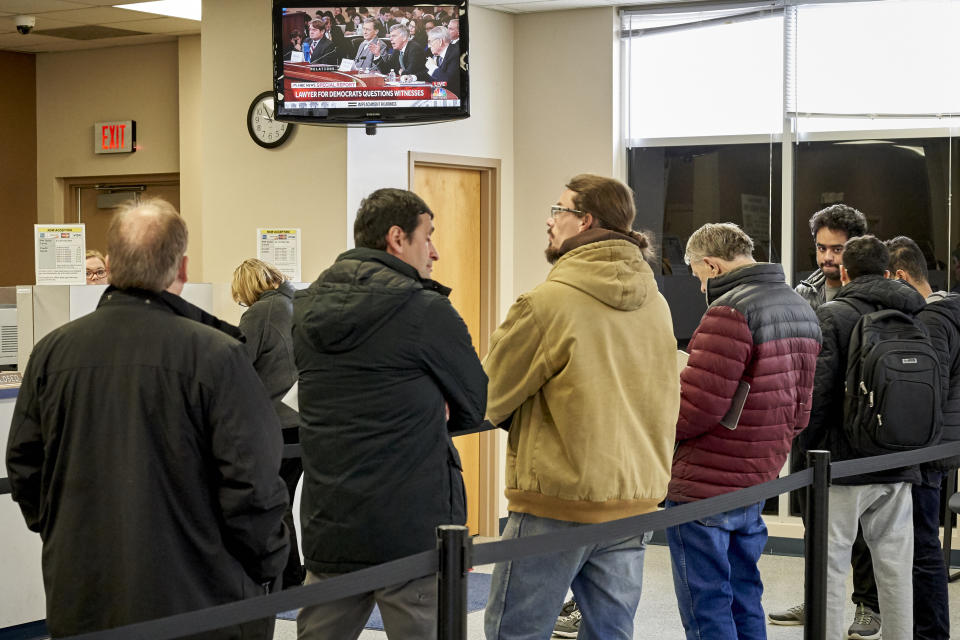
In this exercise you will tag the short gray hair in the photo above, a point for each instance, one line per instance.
(439, 32)
(399, 28)
(146, 242)
(723, 240)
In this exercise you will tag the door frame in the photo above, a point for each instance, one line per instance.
(70, 188)
(489, 168)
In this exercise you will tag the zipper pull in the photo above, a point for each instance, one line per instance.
(871, 399)
(863, 388)
(879, 420)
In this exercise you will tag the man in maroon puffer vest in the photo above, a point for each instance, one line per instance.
(757, 330)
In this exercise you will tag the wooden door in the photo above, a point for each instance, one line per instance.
(81, 201)
(453, 194)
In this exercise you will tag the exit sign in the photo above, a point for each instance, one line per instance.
(115, 137)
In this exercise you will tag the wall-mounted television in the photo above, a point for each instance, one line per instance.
(368, 65)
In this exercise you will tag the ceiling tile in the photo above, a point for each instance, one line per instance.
(31, 7)
(164, 25)
(101, 15)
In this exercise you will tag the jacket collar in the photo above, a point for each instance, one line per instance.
(364, 254)
(594, 234)
(758, 272)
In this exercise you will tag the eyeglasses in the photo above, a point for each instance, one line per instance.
(556, 210)
(99, 274)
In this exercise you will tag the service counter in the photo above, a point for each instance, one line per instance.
(21, 590)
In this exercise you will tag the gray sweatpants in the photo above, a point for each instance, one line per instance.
(886, 513)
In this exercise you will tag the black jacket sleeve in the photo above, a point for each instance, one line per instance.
(451, 360)
(827, 383)
(25, 447)
(247, 446)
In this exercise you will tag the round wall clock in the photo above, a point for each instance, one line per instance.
(265, 130)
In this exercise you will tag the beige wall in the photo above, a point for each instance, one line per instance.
(382, 160)
(565, 118)
(300, 184)
(77, 88)
(18, 157)
(191, 169)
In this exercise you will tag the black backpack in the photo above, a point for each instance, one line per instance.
(892, 395)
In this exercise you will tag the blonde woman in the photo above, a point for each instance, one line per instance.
(97, 268)
(266, 326)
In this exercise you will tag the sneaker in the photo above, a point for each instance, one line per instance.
(866, 624)
(568, 626)
(568, 607)
(791, 617)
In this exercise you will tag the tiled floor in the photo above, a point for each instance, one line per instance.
(783, 582)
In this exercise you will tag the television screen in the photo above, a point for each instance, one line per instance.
(364, 65)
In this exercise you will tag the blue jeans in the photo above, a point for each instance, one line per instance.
(715, 574)
(931, 606)
(526, 594)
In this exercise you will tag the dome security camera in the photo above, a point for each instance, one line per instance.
(25, 24)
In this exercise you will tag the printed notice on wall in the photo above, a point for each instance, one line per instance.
(281, 248)
(59, 253)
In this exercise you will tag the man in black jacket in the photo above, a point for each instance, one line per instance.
(931, 606)
(831, 227)
(387, 371)
(145, 451)
(881, 501)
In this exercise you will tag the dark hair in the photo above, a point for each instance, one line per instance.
(905, 255)
(610, 202)
(318, 24)
(383, 209)
(839, 217)
(865, 256)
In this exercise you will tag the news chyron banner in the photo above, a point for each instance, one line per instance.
(349, 94)
(60, 253)
(281, 248)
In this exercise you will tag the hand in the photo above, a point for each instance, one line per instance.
(375, 48)
(431, 65)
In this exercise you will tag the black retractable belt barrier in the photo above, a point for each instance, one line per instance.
(815, 547)
(454, 545)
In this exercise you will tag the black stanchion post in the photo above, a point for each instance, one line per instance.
(815, 547)
(454, 545)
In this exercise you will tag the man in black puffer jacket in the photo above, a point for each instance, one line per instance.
(931, 606)
(382, 356)
(880, 501)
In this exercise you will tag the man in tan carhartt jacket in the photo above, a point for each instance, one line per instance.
(584, 369)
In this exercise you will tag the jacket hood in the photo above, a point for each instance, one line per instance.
(947, 304)
(354, 298)
(286, 289)
(880, 292)
(612, 271)
(758, 272)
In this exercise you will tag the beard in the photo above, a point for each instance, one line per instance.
(831, 271)
(552, 254)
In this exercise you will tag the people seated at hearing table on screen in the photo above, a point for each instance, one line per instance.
(444, 64)
(406, 58)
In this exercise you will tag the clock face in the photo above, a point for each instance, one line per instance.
(263, 128)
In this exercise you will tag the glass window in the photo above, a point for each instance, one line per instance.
(688, 80)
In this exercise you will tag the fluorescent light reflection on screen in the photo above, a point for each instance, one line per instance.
(189, 9)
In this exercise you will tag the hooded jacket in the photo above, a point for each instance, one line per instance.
(585, 365)
(266, 326)
(757, 330)
(942, 319)
(837, 320)
(381, 354)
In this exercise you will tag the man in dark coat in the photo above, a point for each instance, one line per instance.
(830, 228)
(758, 331)
(931, 606)
(387, 370)
(880, 501)
(443, 65)
(322, 49)
(145, 452)
(407, 57)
